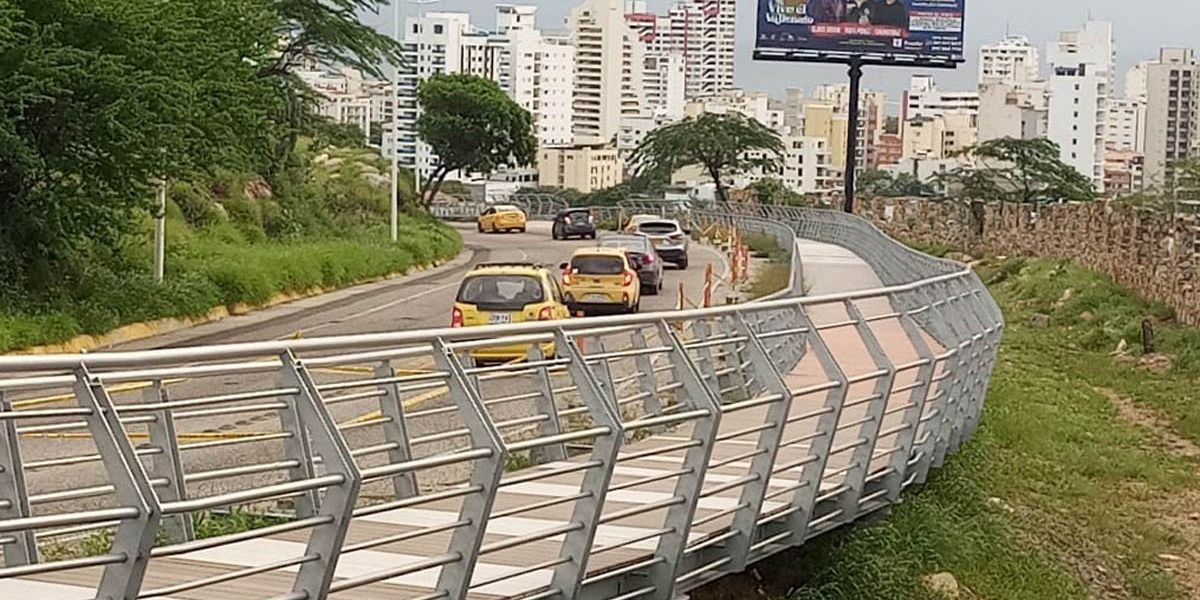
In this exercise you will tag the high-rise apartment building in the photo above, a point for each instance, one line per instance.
(433, 44)
(1125, 130)
(609, 71)
(1172, 114)
(1014, 60)
(540, 72)
(1082, 78)
(701, 31)
(924, 99)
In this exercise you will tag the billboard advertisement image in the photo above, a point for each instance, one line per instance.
(926, 29)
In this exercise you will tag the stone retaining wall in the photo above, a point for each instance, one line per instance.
(1153, 253)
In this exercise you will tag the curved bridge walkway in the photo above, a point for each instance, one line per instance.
(628, 457)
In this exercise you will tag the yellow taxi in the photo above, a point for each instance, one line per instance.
(504, 293)
(601, 281)
(502, 217)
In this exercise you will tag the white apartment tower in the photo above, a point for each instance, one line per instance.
(433, 44)
(1082, 77)
(924, 99)
(609, 71)
(1172, 113)
(541, 73)
(701, 31)
(1014, 60)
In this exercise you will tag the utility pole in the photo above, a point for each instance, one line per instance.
(160, 233)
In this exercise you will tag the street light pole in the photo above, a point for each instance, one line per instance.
(160, 233)
(395, 224)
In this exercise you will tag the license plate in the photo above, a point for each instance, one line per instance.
(596, 298)
(660, 243)
(500, 319)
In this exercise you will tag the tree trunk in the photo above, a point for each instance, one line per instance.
(715, 173)
(436, 179)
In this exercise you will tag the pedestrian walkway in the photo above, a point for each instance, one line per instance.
(864, 434)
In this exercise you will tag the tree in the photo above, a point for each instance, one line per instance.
(770, 190)
(1017, 171)
(472, 125)
(102, 98)
(883, 184)
(723, 145)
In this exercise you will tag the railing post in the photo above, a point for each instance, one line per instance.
(577, 544)
(24, 550)
(324, 541)
(395, 431)
(602, 370)
(813, 472)
(167, 464)
(298, 447)
(861, 456)
(134, 537)
(957, 370)
(455, 578)
(762, 466)
(704, 362)
(699, 396)
(544, 404)
(910, 417)
(647, 381)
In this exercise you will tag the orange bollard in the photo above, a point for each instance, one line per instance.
(708, 285)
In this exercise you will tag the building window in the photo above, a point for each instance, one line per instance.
(416, 28)
(439, 30)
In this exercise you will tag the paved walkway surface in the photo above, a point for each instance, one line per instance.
(641, 479)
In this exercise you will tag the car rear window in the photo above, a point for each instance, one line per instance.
(501, 292)
(658, 228)
(630, 244)
(598, 265)
(579, 214)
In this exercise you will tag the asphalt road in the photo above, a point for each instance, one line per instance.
(415, 302)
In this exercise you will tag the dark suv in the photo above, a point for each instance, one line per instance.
(574, 222)
(643, 257)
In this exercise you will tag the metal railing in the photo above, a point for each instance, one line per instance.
(620, 457)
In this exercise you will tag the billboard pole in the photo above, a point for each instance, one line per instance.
(852, 133)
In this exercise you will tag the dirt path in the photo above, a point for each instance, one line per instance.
(1182, 513)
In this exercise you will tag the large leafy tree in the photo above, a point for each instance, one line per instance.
(472, 125)
(723, 145)
(884, 184)
(771, 190)
(102, 97)
(1014, 170)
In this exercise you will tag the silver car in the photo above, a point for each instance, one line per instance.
(670, 239)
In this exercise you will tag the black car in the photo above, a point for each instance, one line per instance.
(644, 258)
(574, 222)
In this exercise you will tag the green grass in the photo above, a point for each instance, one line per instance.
(776, 274)
(206, 525)
(218, 266)
(1056, 497)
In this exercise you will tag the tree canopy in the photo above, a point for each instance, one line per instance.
(770, 190)
(472, 125)
(884, 184)
(723, 145)
(1013, 170)
(101, 98)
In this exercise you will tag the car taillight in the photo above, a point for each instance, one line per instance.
(567, 220)
(676, 238)
(566, 278)
(591, 218)
(628, 278)
(456, 317)
(546, 314)
(648, 259)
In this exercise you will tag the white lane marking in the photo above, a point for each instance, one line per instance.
(40, 590)
(255, 553)
(517, 526)
(381, 307)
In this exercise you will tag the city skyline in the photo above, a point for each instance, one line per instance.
(1138, 36)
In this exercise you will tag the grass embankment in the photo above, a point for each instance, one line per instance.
(234, 242)
(1082, 481)
(776, 274)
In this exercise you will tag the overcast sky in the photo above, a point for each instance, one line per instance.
(1141, 28)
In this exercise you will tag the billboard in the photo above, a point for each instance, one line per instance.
(901, 29)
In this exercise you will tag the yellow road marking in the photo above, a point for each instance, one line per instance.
(116, 389)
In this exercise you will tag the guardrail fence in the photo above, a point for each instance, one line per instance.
(623, 457)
